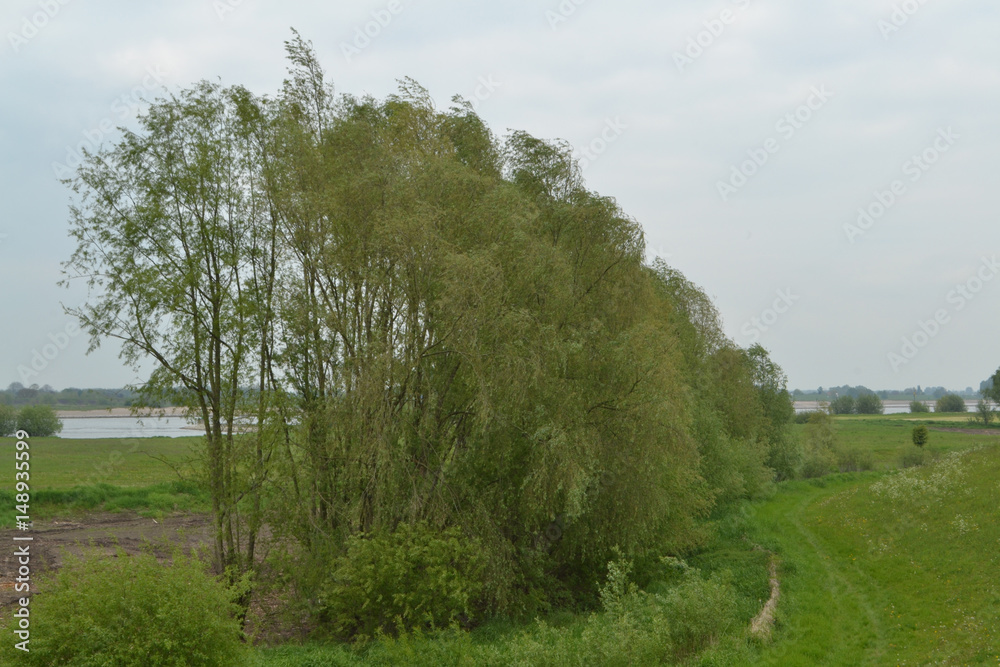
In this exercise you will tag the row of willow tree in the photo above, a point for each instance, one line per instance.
(386, 316)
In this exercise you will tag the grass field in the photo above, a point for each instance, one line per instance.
(884, 567)
(109, 474)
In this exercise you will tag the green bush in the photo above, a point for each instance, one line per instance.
(131, 610)
(417, 578)
(869, 404)
(950, 403)
(40, 421)
(919, 406)
(854, 460)
(8, 421)
(803, 417)
(920, 435)
(842, 405)
(913, 456)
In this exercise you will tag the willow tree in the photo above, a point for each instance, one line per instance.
(472, 340)
(177, 245)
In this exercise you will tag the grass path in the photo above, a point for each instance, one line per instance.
(830, 615)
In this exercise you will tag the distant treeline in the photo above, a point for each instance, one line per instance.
(68, 399)
(908, 394)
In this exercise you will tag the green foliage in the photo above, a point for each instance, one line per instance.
(8, 421)
(984, 413)
(39, 421)
(869, 404)
(438, 326)
(950, 403)
(156, 500)
(416, 578)
(820, 446)
(854, 459)
(913, 456)
(131, 610)
(842, 405)
(919, 406)
(920, 435)
(804, 417)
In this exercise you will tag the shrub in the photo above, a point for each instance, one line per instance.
(950, 403)
(854, 460)
(842, 405)
(40, 421)
(869, 404)
(920, 435)
(913, 456)
(700, 610)
(820, 443)
(919, 406)
(417, 578)
(804, 417)
(8, 421)
(130, 610)
(984, 413)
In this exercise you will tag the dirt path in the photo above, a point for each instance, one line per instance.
(107, 532)
(763, 623)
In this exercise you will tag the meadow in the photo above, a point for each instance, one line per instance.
(882, 567)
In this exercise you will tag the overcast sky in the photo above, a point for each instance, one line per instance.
(747, 137)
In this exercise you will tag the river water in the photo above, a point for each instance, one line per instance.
(891, 407)
(75, 428)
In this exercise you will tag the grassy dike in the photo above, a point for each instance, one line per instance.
(890, 569)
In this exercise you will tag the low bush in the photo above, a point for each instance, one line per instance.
(869, 404)
(919, 406)
(417, 578)
(8, 421)
(842, 405)
(920, 435)
(913, 457)
(39, 421)
(803, 417)
(854, 460)
(131, 610)
(950, 403)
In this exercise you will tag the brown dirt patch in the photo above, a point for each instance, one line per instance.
(107, 532)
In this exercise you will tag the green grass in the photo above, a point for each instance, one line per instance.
(72, 477)
(887, 437)
(126, 462)
(890, 569)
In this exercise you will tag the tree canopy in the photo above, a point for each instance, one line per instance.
(426, 325)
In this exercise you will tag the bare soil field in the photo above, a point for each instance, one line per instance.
(106, 532)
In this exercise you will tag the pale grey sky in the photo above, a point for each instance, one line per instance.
(745, 136)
